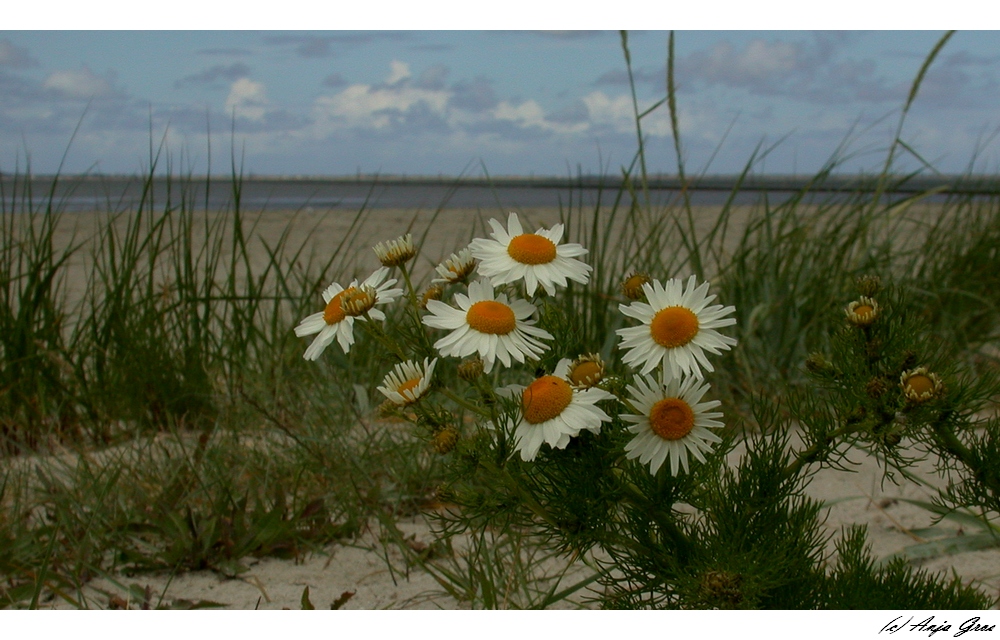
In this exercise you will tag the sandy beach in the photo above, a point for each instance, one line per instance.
(356, 571)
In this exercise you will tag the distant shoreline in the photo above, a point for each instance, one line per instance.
(974, 184)
(73, 193)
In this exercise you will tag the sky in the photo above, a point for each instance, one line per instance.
(504, 102)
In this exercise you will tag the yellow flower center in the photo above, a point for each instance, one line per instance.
(632, 287)
(545, 398)
(531, 248)
(490, 316)
(919, 384)
(333, 312)
(863, 311)
(408, 385)
(587, 372)
(674, 327)
(671, 419)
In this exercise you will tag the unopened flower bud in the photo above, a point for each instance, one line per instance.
(817, 363)
(470, 369)
(632, 286)
(444, 440)
(869, 285)
(876, 388)
(433, 292)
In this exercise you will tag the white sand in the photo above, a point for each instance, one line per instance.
(360, 567)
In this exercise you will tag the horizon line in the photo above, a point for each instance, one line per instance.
(903, 182)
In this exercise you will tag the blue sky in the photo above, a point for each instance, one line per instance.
(512, 102)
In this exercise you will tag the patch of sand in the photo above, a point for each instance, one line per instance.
(360, 568)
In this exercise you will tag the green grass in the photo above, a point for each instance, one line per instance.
(164, 419)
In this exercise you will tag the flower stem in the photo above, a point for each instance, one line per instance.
(817, 451)
(414, 308)
(462, 402)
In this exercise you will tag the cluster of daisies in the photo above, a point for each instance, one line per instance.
(677, 328)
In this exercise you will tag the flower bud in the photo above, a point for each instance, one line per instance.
(632, 286)
(862, 312)
(395, 252)
(869, 285)
(444, 440)
(920, 385)
(470, 369)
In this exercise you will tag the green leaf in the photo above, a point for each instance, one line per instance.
(306, 604)
(963, 518)
(342, 600)
(947, 547)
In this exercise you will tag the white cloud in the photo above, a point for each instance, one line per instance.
(247, 98)
(758, 61)
(614, 112)
(530, 114)
(362, 106)
(81, 83)
(401, 105)
(399, 71)
(617, 113)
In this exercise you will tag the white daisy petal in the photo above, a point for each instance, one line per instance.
(672, 422)
(489, 326)
(553, 412)
(537, 258)
(408, 382)
(677, 329)
(333, 323)
(312, 324)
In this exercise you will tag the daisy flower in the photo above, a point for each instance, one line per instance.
(553, 412)
(632, 285)
(335, 322)
(673, 422)
(584, 372)
(920, 384)
(492, 327)
(395, 252)
(862, 312)
(456, 268)
(678, 327)
(408, 382)
(537, 257)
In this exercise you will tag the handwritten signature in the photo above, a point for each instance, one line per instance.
(930, 627)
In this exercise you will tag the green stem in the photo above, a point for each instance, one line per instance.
(375, 329)
(818, 450)
(666, 525)
(948, 441)
(414, 309)
(462, 402)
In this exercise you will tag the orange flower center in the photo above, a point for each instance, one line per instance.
(671, 418)
(632, 287)
(920, 384)
(587, 372)
(333, 312)
(408, 385)
(531, 248)
(863, 311)
(674, 327)
(545, 398)
(490, 316)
